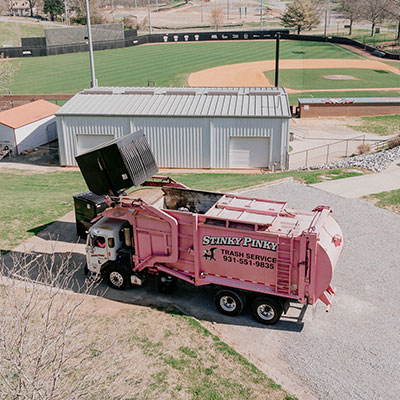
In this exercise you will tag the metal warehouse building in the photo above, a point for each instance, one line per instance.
(186, 127)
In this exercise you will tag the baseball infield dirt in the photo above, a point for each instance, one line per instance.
(252, 74)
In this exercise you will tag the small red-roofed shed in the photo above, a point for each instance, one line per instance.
(28, 126)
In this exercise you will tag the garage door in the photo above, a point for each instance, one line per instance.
(248, 152)
(88, 142)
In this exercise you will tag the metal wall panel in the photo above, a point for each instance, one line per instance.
(224, 128)
(34, 134)
(176, 142)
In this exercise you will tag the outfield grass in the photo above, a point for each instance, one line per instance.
(309, 79)
(382, 125)
(29, 201)
(12, 32)
(166, 64)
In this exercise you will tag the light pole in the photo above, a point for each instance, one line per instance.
(201, 10)
(227, 9)
(149, 16)
(93, 82)
(261, 15)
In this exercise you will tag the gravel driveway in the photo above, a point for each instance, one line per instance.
(353, 351)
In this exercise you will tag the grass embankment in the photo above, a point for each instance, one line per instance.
(309, 79)
(125, 352)
(166, 64)
(12, 32)
(389, 200)
(381, 125)
(30, 201)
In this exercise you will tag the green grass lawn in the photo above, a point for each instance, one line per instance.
(382, 125)
(165, 64)
(389, 200)
(12, 32)
(30, 201)
(308, 79)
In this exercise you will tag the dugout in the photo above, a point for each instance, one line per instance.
(185, 127)
(348, 106)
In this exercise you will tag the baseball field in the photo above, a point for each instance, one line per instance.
(306, 69)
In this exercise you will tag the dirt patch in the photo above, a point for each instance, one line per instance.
(252, 74)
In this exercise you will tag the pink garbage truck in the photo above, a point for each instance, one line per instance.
(251, 250)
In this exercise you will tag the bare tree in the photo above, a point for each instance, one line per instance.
(394, 14)
(374, 11)
(351, 9)
(217, 18)
(7, 73)
(42, 355)
(301, 14)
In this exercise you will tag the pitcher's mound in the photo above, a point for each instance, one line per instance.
(340, 77)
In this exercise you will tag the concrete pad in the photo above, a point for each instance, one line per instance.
(359, 186)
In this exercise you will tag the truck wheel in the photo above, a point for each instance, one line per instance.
(266, 310)
(229, 302)
(166, 283)
(117, 277)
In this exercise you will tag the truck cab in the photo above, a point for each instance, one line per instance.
(103, 242)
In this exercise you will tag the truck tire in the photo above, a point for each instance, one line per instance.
(117, 276)
(267, 311)
(166, 283)
(229, 302)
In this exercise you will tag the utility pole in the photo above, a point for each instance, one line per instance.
(261, 15)
(93, 82)
(112, 9)
(278, 36)
(227, 9)
(326, 21)
(149, 15)
(201, 10)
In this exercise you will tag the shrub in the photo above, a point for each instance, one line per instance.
(364, 148)
(394, 142)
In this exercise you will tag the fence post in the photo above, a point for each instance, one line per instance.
(327, 153)
(363, 139)
(347, 146)
(306, 157)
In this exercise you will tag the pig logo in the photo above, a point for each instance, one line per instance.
(209, 254)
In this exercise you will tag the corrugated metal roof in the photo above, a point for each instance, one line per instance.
(347, 100)
(180, 102)
(27, 113)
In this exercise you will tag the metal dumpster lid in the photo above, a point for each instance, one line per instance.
(117, 165)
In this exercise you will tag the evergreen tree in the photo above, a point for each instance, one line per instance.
(53, 7)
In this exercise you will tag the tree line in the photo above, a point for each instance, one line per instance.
(306, 14)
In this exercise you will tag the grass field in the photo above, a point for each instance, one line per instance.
(308, 79)
(381, 125)
(11, 32)
(165, 64)
(29, 201)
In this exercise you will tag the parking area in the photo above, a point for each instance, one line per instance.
(350, 352)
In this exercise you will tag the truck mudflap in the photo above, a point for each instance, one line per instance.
(324, 297)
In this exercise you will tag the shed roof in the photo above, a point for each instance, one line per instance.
(180, 102)
(27, 113)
